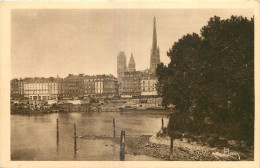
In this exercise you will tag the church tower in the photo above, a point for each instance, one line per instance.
(121, 66)
(155, 52)
(131, 64)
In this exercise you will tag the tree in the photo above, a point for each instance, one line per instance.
(230, 78)
(213, 74)
(176, 82)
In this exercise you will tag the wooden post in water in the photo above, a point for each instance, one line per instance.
(162, 124)
(122, 146)
(114, 126)
(75, 140)
(68, 107)
(171, 147)
(57, 122)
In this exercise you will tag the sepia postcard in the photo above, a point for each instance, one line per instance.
(129, 84)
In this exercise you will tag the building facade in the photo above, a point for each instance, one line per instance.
(148, 84)
(21, 87)
(99, 85)
(89, 85)
(131, 84)
(14, 88)
(110, 86)
(73, 86)
(42, 88)
(106, 86)
(17, 88)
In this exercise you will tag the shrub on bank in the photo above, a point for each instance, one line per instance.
(215, 135)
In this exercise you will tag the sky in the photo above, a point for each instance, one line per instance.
(51, 42)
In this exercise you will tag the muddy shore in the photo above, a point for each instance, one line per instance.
(182, 150)
(158, 147)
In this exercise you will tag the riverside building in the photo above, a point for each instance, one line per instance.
(148, 85)
(14, 88)
(89, 86)
(100, 86)
(73, 86)
(110, 86)
(17, 88)
(42, 88)
(131, 84)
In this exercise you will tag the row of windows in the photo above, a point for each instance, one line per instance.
(95, 80)
(30, 84)
(70, 84)
(35, 86)
(149, 85)
(31, 92)
(70, 88)
(131, 86)
(14, 92)
(148, 81)
(131, 89)
(88, 80)
(143, 89)
(149, 89)
(36, 82)
(90, 86)
(89, 92)
(130, 82)
(42, 88)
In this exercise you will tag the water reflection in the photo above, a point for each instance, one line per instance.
(75, 149)
(53, 139)
(75, 142)
(57, 148)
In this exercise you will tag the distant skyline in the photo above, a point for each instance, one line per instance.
(46, 42)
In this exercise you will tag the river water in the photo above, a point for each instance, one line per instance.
(34, 137)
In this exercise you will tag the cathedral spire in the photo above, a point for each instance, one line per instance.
(154, 45)
(155, 52)
(131, 65)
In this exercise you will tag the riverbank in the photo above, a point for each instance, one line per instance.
(183, 150)
(147, 111)
(159, 147)
(91, 104)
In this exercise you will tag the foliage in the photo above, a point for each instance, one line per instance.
(213, 75)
